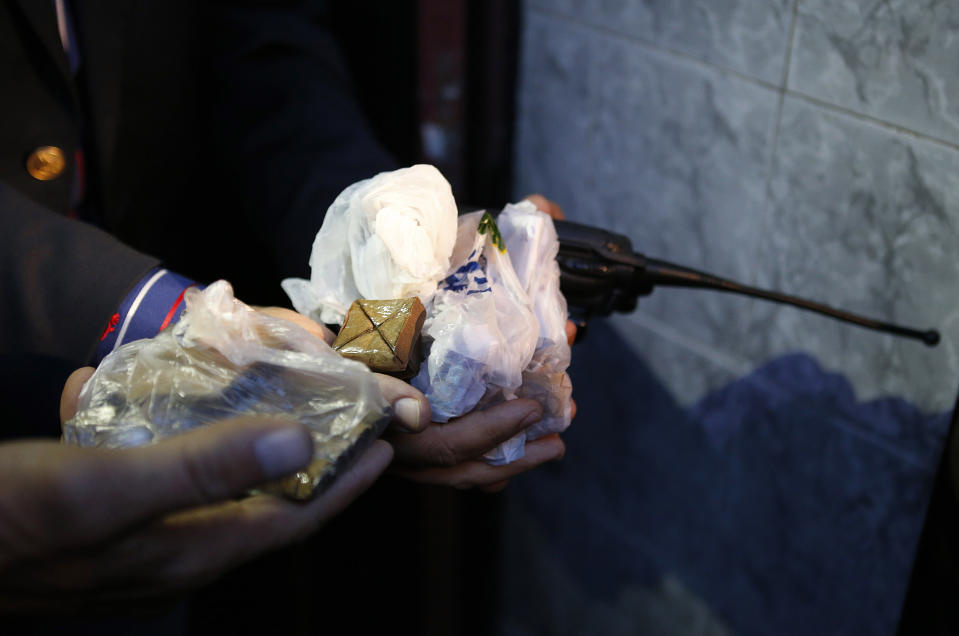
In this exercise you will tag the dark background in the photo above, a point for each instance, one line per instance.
(403, 559)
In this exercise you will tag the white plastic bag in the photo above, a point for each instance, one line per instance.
(480, 331)
(532, 244)
(396, 235)
(387, 237)
(221, 360)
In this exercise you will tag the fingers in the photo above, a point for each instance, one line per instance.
(498, 486)
(411, 410)
(299, 320)
(46, 487)
(216, 462)
(192, 547)
(195, 546)
(467, 437)
(71, 392)
(570, 332)
(476, 473)
(545, 205)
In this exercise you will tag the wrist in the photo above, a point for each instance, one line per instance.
(153, 304)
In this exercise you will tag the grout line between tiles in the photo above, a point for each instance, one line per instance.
(774, 142)
(790, 41)
(873, 121)
(652, 46)
(783, 88)
(704, 65)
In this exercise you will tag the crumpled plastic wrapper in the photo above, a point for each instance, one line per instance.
(481, 331)
(223, 359)
(384, 335)
(491, 333)
(532, 244)
(389, 236)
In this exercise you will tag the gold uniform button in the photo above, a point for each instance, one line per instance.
(46, 163)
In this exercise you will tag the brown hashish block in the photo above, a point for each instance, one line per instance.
(384, 335)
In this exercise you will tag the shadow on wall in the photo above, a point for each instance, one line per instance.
(776, 504)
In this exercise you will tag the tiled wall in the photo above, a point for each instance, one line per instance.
(769, 466)
(810, 146)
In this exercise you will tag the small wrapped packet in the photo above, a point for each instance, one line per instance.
(384, 335)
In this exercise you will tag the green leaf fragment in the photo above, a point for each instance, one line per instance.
(488, 226)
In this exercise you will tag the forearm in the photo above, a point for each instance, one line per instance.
(60, 280)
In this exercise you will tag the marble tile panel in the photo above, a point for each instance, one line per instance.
(764, 500)
(685, 363)
(710, 473)
(890, 59)
(747, 36)
(670, 154)
(868, 220)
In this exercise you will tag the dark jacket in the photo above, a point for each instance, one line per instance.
(215, 135)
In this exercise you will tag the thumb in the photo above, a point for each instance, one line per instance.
(411, 410)
(48, 488)
(71, 392)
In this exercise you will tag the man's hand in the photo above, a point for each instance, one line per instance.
(451, 454)
(95, 524)
(301, 321)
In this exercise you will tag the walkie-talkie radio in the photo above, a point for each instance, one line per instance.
(601, 274)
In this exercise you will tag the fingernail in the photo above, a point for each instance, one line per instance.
(283, 452)
(532, 417)
(407, 411)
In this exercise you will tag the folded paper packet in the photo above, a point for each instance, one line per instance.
(384, 335)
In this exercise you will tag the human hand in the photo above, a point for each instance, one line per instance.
(411, 411)
(451, 454)
(310, 325)
(89, 525)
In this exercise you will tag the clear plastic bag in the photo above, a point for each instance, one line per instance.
(532, 244)
(224, 359)
(480, 331)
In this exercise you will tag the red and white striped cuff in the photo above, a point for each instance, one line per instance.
(152, 305)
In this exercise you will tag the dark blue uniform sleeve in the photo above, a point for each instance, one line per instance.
(152, 305)
(60, 280)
